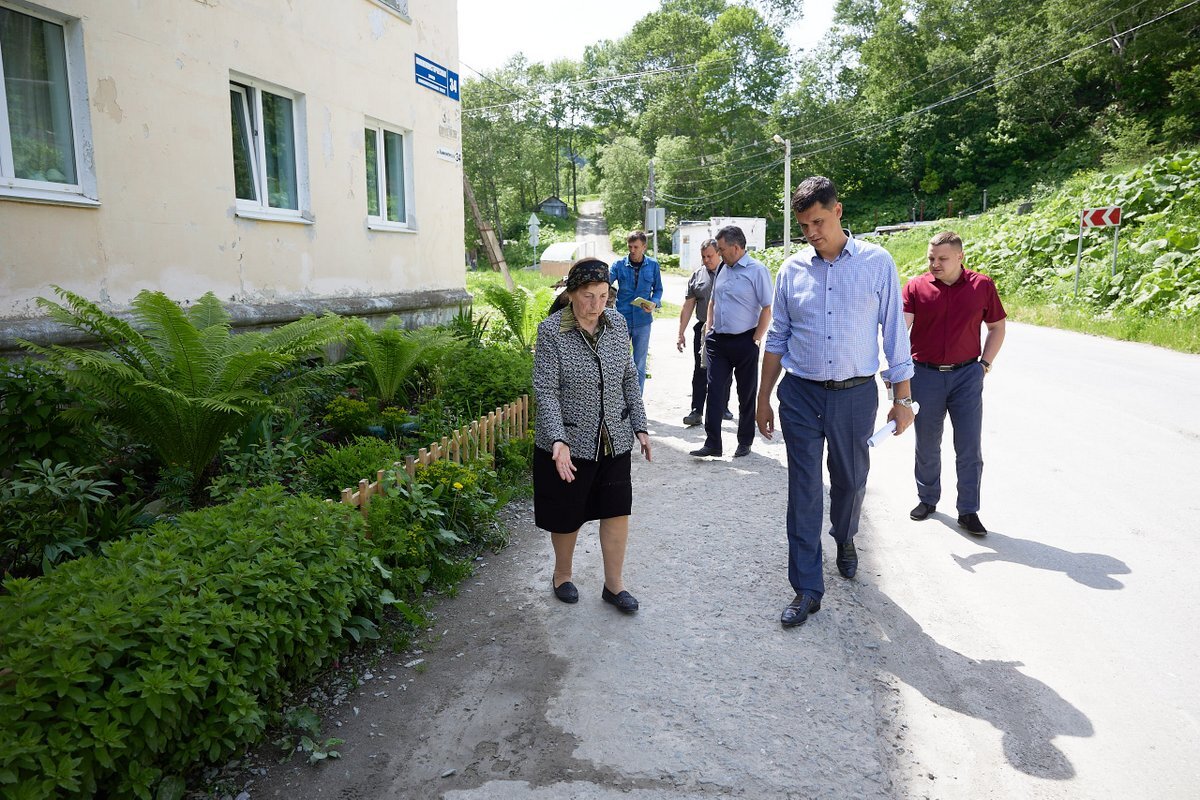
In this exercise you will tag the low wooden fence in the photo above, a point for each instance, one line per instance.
(465, 444)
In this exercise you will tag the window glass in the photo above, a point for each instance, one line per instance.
(372, 174)
(393, 150)
(279, 141)
(243, 172)
(38, 98)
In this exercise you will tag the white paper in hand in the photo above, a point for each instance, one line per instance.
(881, 435)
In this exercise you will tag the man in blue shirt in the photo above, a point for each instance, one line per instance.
(637, 277)
(739, 312)
(832, 299)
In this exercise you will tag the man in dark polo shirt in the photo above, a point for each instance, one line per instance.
(944, 309)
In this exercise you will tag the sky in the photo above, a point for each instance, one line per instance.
(545, 30)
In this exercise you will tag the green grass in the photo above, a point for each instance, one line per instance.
(1182, 334)
(519, 254)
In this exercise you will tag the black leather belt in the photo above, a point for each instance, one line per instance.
(849, 383)
(946, 367)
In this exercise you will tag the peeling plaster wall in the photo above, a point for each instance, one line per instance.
(158, 85)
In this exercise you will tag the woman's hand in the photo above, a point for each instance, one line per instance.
(645, 440)
(562, 460)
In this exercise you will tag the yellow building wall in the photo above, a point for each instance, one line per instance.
(158, 77)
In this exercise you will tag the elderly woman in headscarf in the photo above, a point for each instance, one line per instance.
(589, 415)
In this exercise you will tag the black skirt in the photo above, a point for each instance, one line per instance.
(601, 489)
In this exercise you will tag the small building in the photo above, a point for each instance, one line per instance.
(690, 234)
(553, 206)
(557, 259)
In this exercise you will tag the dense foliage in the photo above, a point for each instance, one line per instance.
(121, 670)
(909, 106)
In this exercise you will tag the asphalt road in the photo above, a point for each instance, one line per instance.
(1050, 659)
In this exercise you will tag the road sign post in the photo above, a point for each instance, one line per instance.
(1103, 217)
(534, 229)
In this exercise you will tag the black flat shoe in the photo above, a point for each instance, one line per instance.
(971, 524)
(622, 600)
(705, 452)
(565, 591)
(922, 511)
(798, 610)
(742, 450)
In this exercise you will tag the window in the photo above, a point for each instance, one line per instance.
(268, 151)
(43, 109)
(389, 181)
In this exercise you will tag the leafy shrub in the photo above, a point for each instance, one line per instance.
(464, 494)
(32, 399)
(261, 456)
(468, 328)
(179, 381)
(520, 312)
(478, 381)
(395, 361)
(49, 512)
(409, 535)
(348, 416)
(122, 671)
(514, 467)
(326, 474)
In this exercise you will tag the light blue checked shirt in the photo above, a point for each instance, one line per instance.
(827, 316)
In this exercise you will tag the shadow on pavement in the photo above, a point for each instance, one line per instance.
(1090, 569)
(1029, 713)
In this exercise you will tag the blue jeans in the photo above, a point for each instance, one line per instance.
(811, 416)
(640, 337)
(960, 394)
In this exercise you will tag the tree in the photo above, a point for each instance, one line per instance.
(623, 165)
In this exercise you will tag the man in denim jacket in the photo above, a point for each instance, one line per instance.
(637, 276)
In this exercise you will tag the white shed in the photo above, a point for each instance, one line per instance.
(557, 259)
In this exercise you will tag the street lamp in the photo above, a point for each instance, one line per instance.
(787, 193)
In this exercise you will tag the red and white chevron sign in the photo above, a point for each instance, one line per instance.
(1100, 217)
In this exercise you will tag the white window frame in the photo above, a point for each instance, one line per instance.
(396, 7)
(380, 222)
(83, 192)
(261, 209)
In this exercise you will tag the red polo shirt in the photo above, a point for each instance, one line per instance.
(946, 319)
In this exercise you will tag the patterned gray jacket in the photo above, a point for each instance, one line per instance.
(577, 386)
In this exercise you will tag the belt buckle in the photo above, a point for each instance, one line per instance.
(945, 368)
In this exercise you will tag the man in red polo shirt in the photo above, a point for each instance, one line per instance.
(944, 309)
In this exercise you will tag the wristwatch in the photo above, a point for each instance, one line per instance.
(987, 366)
(903, 401)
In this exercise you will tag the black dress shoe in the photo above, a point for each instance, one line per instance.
(847, 559)
(693, 419)
(622, 600)
(971, 524)
(922, 511)
(705, 451)
(742, 450)
(565, 591)
(798, 610)
(727, 416)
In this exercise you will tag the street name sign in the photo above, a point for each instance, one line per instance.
(433, 75)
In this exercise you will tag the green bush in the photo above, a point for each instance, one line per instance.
(348, 416)
(122, 671)
(261, 456)
(464, 493)
(480, 380)
(409, 535)
(326, 474)
(32, 399)
(54, 512)
(514, 467)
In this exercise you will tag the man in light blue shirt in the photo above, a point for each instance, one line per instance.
(739, 311)
(832, 299)
(637, 277)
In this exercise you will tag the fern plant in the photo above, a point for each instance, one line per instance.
(394, 359)
(181, 381)
(519, 310)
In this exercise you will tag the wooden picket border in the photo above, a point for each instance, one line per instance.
(470, 442)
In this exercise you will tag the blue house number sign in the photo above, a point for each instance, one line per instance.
(434, 76)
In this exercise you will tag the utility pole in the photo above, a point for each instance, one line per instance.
(787, 193)
(653, 215)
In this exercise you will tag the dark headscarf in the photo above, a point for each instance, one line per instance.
(585, 271)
